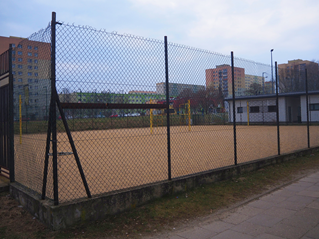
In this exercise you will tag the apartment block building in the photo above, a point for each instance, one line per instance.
(31, 75)
(221, 77)
(250, 79)
(292, 75)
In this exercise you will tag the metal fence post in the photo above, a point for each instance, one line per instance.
(11, 119)
(307, 108)
(167, 111)
(234, 111)
(277, 109)
(53, 111)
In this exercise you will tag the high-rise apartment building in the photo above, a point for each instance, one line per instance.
(292, 75)
(31, 75)
(221, 78)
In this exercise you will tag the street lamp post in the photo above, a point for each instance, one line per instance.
(272, 78)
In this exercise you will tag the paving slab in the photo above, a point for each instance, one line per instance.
(291, 212)
(250, 229)
(197, 232)
(235, 218)
(229, 234)
(279, 212)
(314, 204)
(268, 236)
(217, 226)
(273, 198)
(286, 231)
(313, 233)
(310, 193)
(300, 199)
(250, 211)
(265, 220)
(284, 193)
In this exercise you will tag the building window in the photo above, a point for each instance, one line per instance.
(29, 73)
(13, 52)
(29, 53)
(19, 46)
(36, 80)
(35, 61)
(13, 65)
(13, 59)
(36, 87)
(35, 74)
(314, 107)
(35, 54)
(30, 47)
(13, 72)
(19, 80)
(20, 66)
(29, 80)
(20, 53)
(35, 48)
(239, 110)
(35, 67)
(272, 108)
(29, 60)
(13, 45)
(20, 59)
(20, 73)
(30, 67)
(254, 109)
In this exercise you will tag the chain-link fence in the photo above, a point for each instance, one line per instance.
(31, 60)
(112, 106)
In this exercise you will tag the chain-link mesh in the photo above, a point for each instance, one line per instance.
(31, 60)
(200, 138)
(123, 146)
(255, 110)
(115, 146)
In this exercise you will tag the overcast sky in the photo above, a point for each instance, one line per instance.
(249, 28)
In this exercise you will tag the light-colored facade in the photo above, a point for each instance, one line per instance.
(250, 79)
(262, 109)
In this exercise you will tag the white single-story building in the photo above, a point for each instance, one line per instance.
(262, 108)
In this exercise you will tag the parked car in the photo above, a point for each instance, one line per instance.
(114, 116)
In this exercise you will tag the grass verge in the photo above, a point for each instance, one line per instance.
(164, 213)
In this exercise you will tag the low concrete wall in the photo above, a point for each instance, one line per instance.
(96, 208)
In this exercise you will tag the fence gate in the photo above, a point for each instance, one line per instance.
(4, 115)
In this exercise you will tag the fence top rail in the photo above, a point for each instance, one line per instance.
(111, 106)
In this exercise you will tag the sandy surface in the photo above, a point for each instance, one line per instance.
(122, 158)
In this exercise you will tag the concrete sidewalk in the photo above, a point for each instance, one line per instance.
(288, 213)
